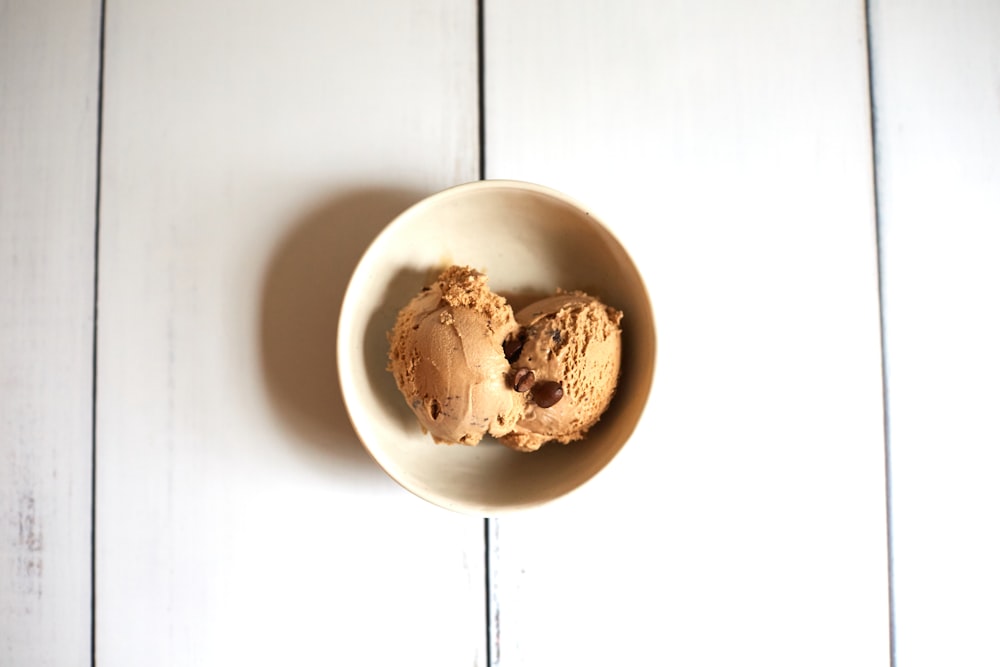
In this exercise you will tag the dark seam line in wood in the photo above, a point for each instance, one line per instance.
(490, 611)
(481, 75)
(873, 123)
(93, 371)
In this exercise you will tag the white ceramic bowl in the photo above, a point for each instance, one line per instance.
(529, 240)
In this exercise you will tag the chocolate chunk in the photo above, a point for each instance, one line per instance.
(547, 394)
(524, 379)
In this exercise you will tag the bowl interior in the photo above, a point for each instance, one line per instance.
(529, 240)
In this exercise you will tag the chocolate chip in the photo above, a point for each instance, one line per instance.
(512, 348)
(524, 379)
(547, 394)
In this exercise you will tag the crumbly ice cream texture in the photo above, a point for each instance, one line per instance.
(446, 354)
(468, 367)
(573, 340)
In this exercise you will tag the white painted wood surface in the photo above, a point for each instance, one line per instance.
(937, 102)
(728, 145)
(250, 153)
(48, 134)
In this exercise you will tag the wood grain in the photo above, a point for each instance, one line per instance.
(937, 103)
(729, 148)
(252, 151)
(49, 53)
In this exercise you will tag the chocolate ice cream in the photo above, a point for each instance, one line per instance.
(446, 353)
(468, 367)
(565, 358)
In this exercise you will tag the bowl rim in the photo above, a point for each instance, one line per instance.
(354, 284)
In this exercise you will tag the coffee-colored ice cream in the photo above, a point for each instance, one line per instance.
(566, 359)
(468, 367)
(446, 354)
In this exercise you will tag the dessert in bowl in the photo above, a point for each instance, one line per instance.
(554, 271)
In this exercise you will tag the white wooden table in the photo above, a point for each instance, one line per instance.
(811, 190)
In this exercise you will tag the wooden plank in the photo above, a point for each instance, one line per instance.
(935, 70)
(251, 153)
(728, 146)
(49, 53)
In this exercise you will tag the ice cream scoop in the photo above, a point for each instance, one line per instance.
(446, 354)
(565, 359)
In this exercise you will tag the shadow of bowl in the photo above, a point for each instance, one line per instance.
(300, 305)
